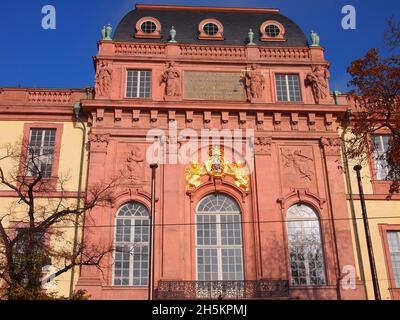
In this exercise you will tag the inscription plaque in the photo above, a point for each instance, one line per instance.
(200, 85)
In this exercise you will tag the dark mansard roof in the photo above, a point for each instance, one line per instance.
(236, 23)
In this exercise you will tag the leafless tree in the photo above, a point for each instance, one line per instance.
(34, 228)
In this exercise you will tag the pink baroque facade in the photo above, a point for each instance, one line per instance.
(287, 234)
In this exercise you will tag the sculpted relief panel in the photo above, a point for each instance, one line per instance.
(297, 167)
(133, 165)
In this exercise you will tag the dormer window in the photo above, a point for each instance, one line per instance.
(148, 27)
(272, 31)
(211, 29)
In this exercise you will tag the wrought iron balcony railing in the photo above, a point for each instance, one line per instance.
(248, 289)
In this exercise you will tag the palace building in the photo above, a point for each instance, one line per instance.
(267, 210)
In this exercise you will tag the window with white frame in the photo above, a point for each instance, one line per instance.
(24, 249)
(394, 248)
(219, 239)
(381, 146)
(288, 87)
(131, 266)
(138, 84)
(305, 246)
(40, 153)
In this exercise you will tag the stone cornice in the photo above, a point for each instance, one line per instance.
(214, 105)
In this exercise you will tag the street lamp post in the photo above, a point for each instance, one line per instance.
(153, 167)
(375, 282)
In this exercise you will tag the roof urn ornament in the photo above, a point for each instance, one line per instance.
(251, 38)
(172, 34)
(103, 33)
(314, 39)
(107, 32)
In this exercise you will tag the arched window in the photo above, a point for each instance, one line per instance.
(219, 239)
(132, 245)
(305, 246)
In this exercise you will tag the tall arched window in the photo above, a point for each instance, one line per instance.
(132, 245)
(305, 246)
(219, 239)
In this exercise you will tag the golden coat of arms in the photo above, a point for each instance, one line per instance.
(216, 166)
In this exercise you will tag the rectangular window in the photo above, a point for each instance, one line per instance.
(381, 146)
(219, 247)
(40, 154)
(23, 252)
(132, 252)
(288, 87)
(138, 84)
(394, 248)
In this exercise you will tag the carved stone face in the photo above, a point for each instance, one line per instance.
(318, 68)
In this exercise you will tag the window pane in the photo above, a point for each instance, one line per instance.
(40, 155)
(394, 247)
(232, 266)
(288, 87)
(132, 245)
(207, 264)
(138, 84)
(305, 246)
(219, 239)
(381, 145)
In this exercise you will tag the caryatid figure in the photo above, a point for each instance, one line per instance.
(318, 80)
(172, 79)
(103, 80)
(254, 82)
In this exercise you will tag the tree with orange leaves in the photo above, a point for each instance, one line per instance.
(375, 82)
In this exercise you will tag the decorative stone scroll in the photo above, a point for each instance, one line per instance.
(99, 142)
(262, 145)
(331, 146)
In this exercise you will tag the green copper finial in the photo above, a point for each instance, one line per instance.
(103, 33)
(172, 34)
(336, 94)
(314, 39)
(251, 38)
(108, 32)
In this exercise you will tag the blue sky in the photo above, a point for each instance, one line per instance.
(33, 57)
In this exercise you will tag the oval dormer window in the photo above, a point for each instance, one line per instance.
(148, 27)
(272, 30)
(211, 29)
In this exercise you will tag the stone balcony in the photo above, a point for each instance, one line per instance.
(165, 51)
(248, 289)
